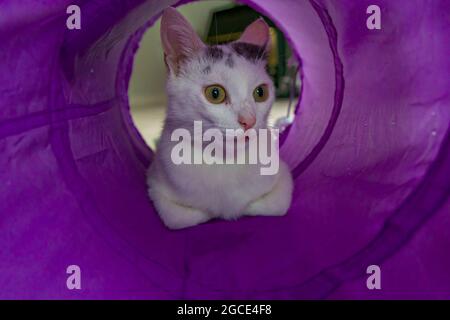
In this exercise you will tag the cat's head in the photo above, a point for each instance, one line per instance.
(225, 86)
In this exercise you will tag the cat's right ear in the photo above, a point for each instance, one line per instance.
(179, 39)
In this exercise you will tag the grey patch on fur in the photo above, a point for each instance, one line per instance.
(207, 70)
(229, 62)
(249, 51)
(214, 53)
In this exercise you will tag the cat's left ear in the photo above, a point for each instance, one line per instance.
(179, 39)
(257, 33)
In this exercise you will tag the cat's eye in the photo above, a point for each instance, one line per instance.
(215, 94)
(261, 93)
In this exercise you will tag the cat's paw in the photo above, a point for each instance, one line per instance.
(182, 217)
(277, 201)
(263, 207)
(174, 215)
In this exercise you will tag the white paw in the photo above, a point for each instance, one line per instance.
(277, 201)
(179, 217)
(263, 207)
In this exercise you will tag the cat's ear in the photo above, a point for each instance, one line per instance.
(257, 33)
(179, 39)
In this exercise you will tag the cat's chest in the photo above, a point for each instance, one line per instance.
(222, 174)
(226, 180)
(220, 188)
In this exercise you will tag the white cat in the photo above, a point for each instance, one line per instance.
(226, 87)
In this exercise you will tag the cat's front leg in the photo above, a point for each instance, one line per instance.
(277, 201)
(175, 215)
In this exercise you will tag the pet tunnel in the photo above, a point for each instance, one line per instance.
(369, 149)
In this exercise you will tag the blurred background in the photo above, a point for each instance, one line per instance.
(216, 22)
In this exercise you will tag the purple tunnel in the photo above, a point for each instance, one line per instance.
(369, 149)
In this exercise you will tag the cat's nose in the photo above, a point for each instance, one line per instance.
(247, 121)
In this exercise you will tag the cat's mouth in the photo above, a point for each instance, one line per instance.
(236, 133)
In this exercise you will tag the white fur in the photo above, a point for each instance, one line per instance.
(186, 195)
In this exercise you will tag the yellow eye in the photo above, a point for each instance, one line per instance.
(261, 93)
(215, 94)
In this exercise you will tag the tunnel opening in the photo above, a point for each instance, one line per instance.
(144, 112)
(360, 201)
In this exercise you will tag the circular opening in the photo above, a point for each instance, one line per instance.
(338, 66)
(216, 22)
(141, 124)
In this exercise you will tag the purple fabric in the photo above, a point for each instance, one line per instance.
(370, 150)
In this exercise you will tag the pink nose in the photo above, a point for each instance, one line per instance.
(247, 121)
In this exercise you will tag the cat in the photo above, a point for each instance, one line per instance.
(225, 87)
